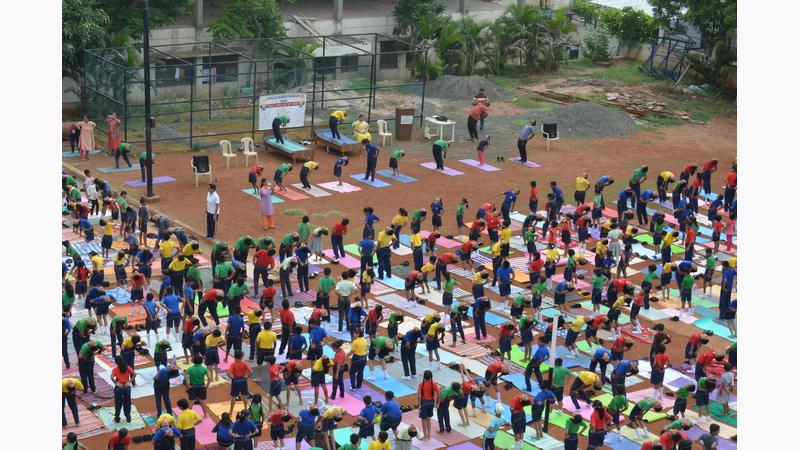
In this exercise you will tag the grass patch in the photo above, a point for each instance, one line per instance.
(627, 73)
(582, 63)
(531, 103)
(320, 217)
(504, 82)
(294, 212)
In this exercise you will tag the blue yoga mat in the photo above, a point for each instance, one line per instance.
(124, 168)
(249, 191)
(518, 380)
(624, 444)
(494, 319)
(405, 239)
(580, 360)
(69, 154)
(392, 384)
(399, 177)
(326, 134)
(377, 183)
(491, 401)
(395, 282)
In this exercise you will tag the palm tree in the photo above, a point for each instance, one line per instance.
(529, 23)
(449, 47)
(554, 39)
(471, 32)
(500, 37)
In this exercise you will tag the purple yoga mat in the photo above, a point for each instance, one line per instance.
(156, 180)
(446, 171)
(527, 163)
(722, 443)
(477, 165)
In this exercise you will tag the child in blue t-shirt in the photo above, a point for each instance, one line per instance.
(494, 426)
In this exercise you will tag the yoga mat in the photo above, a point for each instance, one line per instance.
(342, 437)
(717, 414)
(477, 165)
(378, 183)
(314, 191)
(290, 194)
(288, 144)
(400, 302)
(446, 357)
(344, 188)
(90, 425)
(694, 433)
(442, 241)
(107, 416)
(470, 349)
(505, 440)
(494, 319)
(467, 445)
(390, 384)
(355, 251)
(346, 260)
(402, 250)
(720, 330)
(399, 177)
(518, 380)
(622, 444)
(526, 163)
(560, 418)
(203, 433)
(124, 168)
(446, 171)
(156, 180)
(447, 439)
(395, 282)
(547, 442)
(249, 191)
(69, 154)
(328, 136)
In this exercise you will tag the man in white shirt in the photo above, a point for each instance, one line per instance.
(212, 210)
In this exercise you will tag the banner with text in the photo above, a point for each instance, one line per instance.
(292, 106)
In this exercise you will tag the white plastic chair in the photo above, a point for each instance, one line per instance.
(548, 137)
(228, 153)
(383, 131)
(200, 166)
(249, 150)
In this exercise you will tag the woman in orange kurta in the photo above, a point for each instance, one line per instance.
(113, 126)
(86, 142)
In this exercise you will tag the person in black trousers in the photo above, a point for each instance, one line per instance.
(212, 210)
(277, 123)
(439, 152)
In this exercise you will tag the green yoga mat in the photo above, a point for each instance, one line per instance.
(222, 311)
(560, 420)
(505, 440)
(707, 323)
(648, 239)
(716, 413)
(353, 250)
(696, 300)
(488, 250)
(516, 357)
(650, 416)
(288, 144)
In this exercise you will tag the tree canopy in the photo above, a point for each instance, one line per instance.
(248, 19)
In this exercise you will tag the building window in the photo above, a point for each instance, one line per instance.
(326, 64)
(388, 59)
(349, 63)
(223, 68)
(173, 72)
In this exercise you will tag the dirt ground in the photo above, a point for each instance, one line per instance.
(666, 148)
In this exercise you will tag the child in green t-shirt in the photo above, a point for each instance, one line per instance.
(72, 443)
(681, 399)
(617, 406)
(396, 155)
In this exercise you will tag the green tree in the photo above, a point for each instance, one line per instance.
(630, 26)
(500, 39)
(555, 39)
(596, 45)
(407, 13)
(248, 19)
(83, 27)
(529, 24)
(586, 9)
(125, 16)
(472, 34)
(449, 47)
(667, 14)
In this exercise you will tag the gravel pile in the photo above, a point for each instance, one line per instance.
(457, 88)
(586, 119)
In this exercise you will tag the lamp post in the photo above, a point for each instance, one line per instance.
(147, 118)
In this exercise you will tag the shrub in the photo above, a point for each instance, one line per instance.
(596, 45)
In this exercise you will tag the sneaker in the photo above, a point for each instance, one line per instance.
(406, 377)
(371, 377)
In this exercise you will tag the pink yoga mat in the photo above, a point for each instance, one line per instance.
(203, 433)
(347, 261)
(448, 439)
(477, 165)
(291, 195)
(526, 163)
(442, 241)
(344, 188)
(446, 171)
(352, 405)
